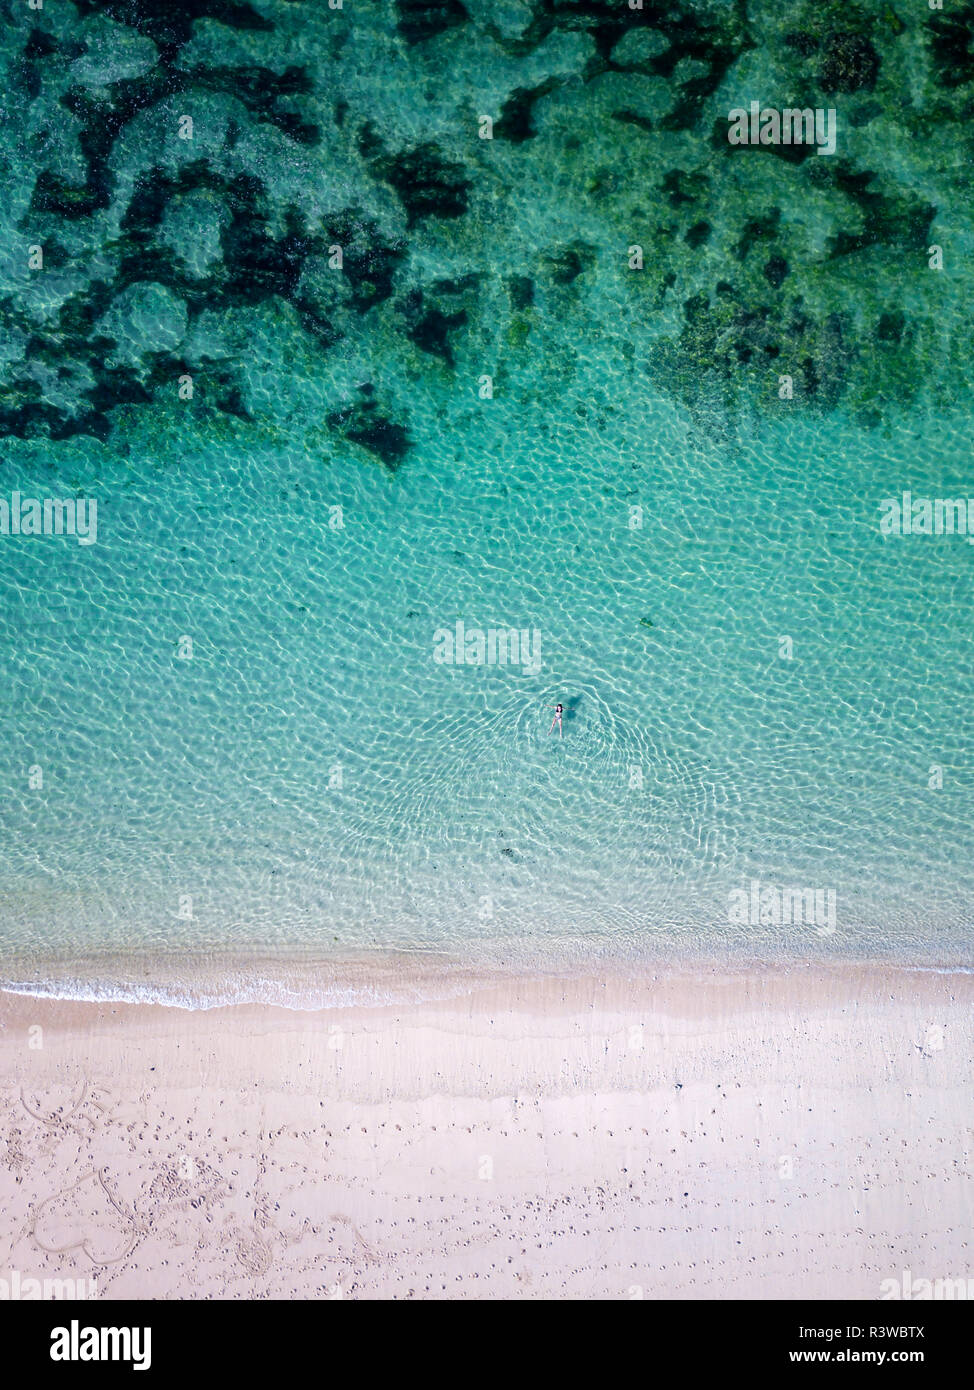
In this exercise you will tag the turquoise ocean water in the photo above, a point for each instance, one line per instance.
(226, 735)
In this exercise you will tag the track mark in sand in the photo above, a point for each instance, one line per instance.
(67, 1219)
(253, 1252)
(59, 1118)
(372, 1256)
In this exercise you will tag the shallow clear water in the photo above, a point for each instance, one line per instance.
(758, 685)
(312, 777)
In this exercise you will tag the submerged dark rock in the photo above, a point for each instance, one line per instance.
(426, 183)
(515, 122)
(633, 118)
(893, 220)
(365, 425)
(683, 188)
(431, 324)
(850, 63)
(420, 20)
(370, 260)
(890, 327)
(257, 264)
(757, 229)
(169, 23)
(567, 263)
(521, 289)
(952, 45)
(776, 271)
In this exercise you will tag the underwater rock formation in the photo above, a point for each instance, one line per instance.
(180, 166)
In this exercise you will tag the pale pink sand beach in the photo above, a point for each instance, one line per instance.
(757, 1135)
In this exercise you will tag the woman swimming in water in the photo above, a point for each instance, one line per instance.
(557, 720)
